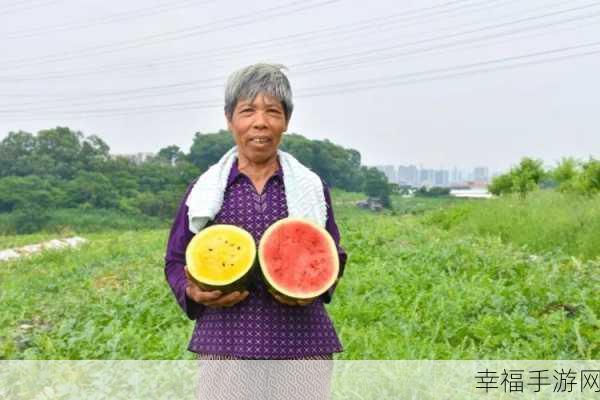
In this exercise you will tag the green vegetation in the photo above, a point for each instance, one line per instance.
(62, 169)
(66, 220)
(432, 192)
(544, 221)
(569, 176)
(433, 277)
(410, 291)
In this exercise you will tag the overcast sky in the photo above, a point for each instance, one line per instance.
(432, 83)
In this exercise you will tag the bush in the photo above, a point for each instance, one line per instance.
(29, 219)
(162, 204)
(20, 192)
(432, 192)
(521, 179)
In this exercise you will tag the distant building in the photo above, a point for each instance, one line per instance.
(408, 175)
(457, 176)
(441, 178)
(481, 174)
(389, 171)
(426, 177)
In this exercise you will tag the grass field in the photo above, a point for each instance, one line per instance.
(545, 221)
(411, 290)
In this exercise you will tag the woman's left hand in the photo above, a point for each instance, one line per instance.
(291, 302)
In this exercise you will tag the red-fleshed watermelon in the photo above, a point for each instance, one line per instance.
(298, 258)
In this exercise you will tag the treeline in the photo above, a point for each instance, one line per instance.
(337, 166)
(61, 168)
(569, 176)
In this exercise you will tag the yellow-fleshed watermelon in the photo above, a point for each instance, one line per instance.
(298, 259)
(220, 257)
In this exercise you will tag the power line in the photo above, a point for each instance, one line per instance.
(367, 60)
(28, 7)
(107, 19)
(463, 33)
(365, 84)
(196, 30)
(388, 80)
(333, 34)
(339, 35)
(368, 53)
(183, 87)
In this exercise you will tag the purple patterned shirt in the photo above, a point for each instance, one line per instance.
(259, 326)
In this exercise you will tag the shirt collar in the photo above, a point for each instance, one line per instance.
(235, 172)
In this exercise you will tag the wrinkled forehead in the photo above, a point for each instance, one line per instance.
(260, 98)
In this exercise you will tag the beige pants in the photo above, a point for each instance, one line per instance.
(225, 377)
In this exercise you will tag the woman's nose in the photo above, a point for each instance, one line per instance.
(260, 120)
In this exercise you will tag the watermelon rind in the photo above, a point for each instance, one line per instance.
(278, 288)
(237, 281)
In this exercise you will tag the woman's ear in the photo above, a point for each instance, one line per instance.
(228, 123)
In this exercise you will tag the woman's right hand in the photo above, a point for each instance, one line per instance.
(212, 298)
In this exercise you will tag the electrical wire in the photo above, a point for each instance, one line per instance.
(128, 16)
(365, 84)
(188, 86)
(293, 7)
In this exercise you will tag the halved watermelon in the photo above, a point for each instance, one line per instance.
(298, 258)
(220, 257)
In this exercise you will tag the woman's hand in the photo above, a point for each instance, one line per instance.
(291, 302)
(212, 298)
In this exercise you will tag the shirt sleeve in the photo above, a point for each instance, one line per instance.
(179, 238)
(333, 230)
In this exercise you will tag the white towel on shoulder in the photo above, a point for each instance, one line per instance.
(303, 191)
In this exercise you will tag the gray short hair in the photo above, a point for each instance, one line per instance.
(248, 82)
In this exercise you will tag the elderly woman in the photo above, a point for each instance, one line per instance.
(254, 185)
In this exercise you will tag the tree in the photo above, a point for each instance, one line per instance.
(527, 176)
(63, 147)
(566, 174)
(376, 185)
(16, 154)
(501, 184)
(590, 177)
(207, 149)
(93, 189)
(521, 179)
(22, 192)
(171, 154)
(337, 166)
(94, 152)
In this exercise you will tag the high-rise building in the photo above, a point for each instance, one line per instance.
(481, 174)
(441, 178)
(426, 177)
(389, 171)
(408, 175)
(457, 176)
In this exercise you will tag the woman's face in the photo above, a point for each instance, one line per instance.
(257, 127)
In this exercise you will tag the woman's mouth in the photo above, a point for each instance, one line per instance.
(260, 141)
